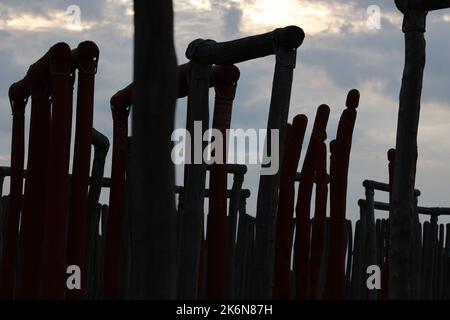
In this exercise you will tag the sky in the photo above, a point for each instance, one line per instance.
(341, 51)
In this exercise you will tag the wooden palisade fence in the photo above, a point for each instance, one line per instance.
(52, 218)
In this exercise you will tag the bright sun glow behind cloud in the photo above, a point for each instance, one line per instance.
(313, 16)
(272, 13)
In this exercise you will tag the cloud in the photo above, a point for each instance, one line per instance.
(339, 53)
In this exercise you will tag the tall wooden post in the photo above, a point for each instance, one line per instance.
(303, 205)
(19, 93)
(335, 283)
(193, 197)
(402, 214)
(57, 200)
(153, 215)
(120, 108)
(86, 59)
(267, 203)
(406, 151)
(285, 220)
(217, 225)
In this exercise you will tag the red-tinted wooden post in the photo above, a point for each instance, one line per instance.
(225, 82)
(320, 214)
(303, 206)
(86, 59)
(284, 237)
(120, 108)
(19, 93)
(335, 283)
(33, 214)
(57, 205)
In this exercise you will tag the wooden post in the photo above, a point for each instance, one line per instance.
(335, 287)
(348, 268)
(370, 241)
(402, 215)
(358, 283)
(447, 263)
(302, 210)
(235, 198)
(153, 215)
(324, 262)
(193, 196)
(284, 237)
(120, 108)
(57, 199)
(33, 214)
(19, 93)
(86, 59)
(101, 147)
(267, 202)
(318, 224)
(217, 228)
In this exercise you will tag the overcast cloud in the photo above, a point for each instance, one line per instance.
(339, 53)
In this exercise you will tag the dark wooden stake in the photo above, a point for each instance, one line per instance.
(33, 214)
(57, 200)
(86, 59)
(217, 225)
(303, 206)
(402, 215)
(284, 237)
(19, 93)
(153, 214)
(335, 284)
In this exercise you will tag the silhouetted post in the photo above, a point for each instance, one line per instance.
(368, 223)
(303, 206)
(335, 283)
(267, 203)
(438, 279)
(217, 225)
(19, 93)
(101, 147)
(386, 241)
(153, 214)
(402, 215)
(324, 262)
(86, 60)
(348, 268)
(33, 214)
(356, 279)
(360, 292)
(235, 198)
(57, 199)
(120, 108)
(320, 214)
(446, 262)
(193, 200)
(285, 216)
